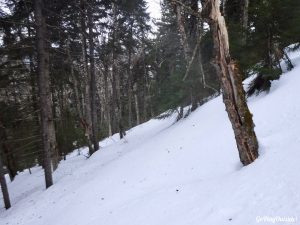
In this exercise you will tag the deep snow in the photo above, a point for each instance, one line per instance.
(187, 173)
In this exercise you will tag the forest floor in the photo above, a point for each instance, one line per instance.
(185, 173)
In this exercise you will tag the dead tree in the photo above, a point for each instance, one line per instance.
(231, 83)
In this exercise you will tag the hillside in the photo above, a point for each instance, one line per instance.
(185, 173)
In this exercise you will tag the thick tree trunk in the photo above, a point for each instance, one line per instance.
(93, 82)
(47, 123)
(3, 184)
(231, 83)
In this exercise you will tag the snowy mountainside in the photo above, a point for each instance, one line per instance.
(187, 173)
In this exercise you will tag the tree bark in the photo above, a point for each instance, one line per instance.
(183, 35)
(145, 79)
(107, 100)
(116, 95)
(75, 82)
(245, 7)
(231, 83)
(87, 122)
(47, 124)
(7, 153)
(4, 188)
(129, 88)
(244, 19)
(136, 103)
(93, 82)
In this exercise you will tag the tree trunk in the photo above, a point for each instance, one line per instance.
(136, 101)
(244, 22)
(93, 82)
(129, 88)
(231, 83)
(245, 7)
(47, 124)
(107, 101)
(7, 153)
(145, 79)
(183, 35)
(4, 185)
(190, 39)
(75, 83)
(117, 104)
(87, 122)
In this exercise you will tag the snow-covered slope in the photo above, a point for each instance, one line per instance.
(186, 173)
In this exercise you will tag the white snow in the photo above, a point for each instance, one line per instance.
(187, 173)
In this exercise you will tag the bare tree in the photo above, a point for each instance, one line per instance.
(231, 83)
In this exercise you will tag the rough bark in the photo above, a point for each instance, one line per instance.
(3, 184)
(47, 123)
(231, 83)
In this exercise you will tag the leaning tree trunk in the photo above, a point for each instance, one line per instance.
(47, 123)
(231, 83)
(4, 186)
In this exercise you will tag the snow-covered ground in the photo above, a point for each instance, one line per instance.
(187, 173)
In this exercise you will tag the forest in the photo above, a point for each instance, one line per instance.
(75, 72)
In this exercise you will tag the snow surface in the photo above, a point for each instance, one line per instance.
(187, 173)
